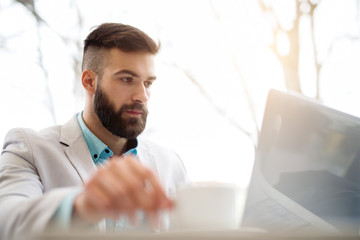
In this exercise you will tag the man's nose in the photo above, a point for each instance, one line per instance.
(140, 94)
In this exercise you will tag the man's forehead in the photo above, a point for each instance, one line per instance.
(140, 63)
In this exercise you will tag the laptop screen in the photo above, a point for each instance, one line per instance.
(307, 168)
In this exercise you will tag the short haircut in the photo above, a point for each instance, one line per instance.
(109, 35)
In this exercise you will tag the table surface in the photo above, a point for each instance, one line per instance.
(213, 235)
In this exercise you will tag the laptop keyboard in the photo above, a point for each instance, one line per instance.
(271, 216)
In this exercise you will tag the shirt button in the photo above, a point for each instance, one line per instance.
(95, 156)
(107, 150)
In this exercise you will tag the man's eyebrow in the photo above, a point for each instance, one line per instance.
(127, 72)
(153, 78)
(134, 74)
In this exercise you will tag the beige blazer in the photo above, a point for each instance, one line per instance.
(39, 169)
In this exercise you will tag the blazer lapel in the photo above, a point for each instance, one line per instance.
(76, 149)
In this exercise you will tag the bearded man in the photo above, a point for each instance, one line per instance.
(94, 170)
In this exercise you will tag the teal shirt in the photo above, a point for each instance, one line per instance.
(100, 153)
(98, 150)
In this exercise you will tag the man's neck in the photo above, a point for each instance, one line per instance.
(117, 145)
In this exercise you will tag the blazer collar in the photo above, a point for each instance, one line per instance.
(76, 149)
(79, 155)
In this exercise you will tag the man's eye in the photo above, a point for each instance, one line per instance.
(148, 84)
(126, 79)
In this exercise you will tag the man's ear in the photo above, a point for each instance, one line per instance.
(88, 80)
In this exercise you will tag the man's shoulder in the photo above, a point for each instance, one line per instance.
(144, 142)
(163, 155)
(150, 146)
(164, 160)
(47, 135)
(28, 133)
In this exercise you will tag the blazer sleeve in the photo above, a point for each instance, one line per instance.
(24, 205)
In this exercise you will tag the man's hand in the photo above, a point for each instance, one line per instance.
(122, 187)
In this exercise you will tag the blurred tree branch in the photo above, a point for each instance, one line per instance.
(30, 5)
(241, 78)
(76, 58)
(318, 65)
(3, 42)
(5, 39)
(209, 99)
(49, 102)
(290, 61)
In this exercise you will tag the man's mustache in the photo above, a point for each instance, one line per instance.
(135, 106)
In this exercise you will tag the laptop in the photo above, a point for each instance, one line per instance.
(306, 175)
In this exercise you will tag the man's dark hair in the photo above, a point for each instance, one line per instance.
(110, 35)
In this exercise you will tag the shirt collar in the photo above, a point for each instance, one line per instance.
(99, 151)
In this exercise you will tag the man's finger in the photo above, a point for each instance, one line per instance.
(153, 187)
(134, 185)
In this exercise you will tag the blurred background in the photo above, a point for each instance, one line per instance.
(218, 61)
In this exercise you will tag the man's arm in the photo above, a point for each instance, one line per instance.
(121, 187)
(24, 208)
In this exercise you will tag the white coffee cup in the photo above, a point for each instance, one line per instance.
(208, 206)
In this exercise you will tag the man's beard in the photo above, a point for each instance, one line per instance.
(115, 121)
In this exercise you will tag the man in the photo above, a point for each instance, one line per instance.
(94, 167)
